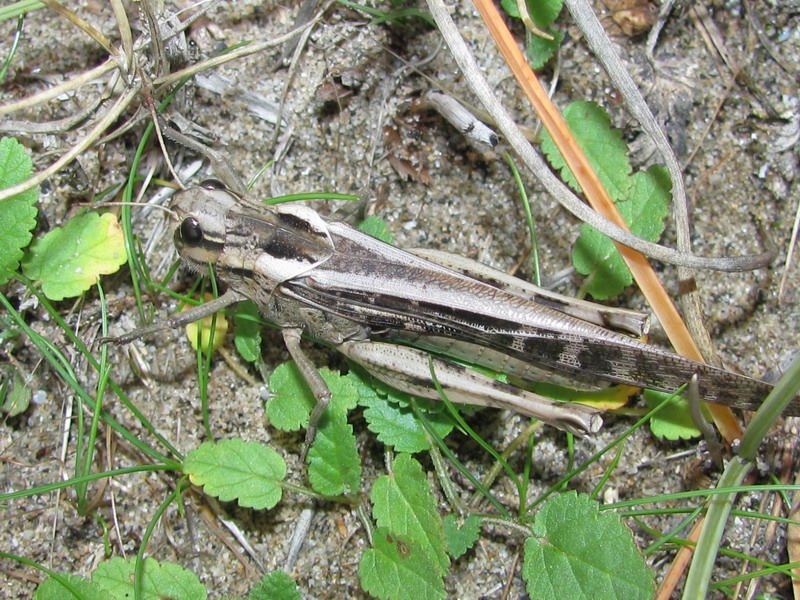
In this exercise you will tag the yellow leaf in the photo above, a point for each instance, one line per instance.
(204, 325)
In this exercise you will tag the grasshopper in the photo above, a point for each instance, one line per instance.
(393, 312)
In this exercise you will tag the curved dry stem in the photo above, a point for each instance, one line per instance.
(552, 184)
(115, 62)
(696, 342)
(248, 50)
(525, 17)
(109, 65)
(111, 115)
(125, 34)
(57, 126)
(62, 88)
(97, 35)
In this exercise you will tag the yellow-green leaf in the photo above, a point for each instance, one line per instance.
(70, 259)
(220, 329)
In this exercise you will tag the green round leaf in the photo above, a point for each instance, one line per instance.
(461, 534)
(404, 504)
(602, 145)
(160, 580)
(72, 587)
(396, 568)
(674, 421)
(247, 331)
(276, 585)
(233, 469)
(334, 466)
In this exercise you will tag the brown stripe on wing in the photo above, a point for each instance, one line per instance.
(605, 355)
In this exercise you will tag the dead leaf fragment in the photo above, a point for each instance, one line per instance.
(633, 17)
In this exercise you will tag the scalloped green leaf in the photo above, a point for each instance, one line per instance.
(461, 534)
(18, 213)
(15, 401)
(602, 145)
(70, 259)
(70, 587)
(540, 51)
(345, 389)
(160, 580)
(292, 401)
(595, 255)
(334, 466)
(649, 199)
(396, 425)
(377, 228)
(397, 568)
(581, 553)
(674, 421)
(543, 12)
(390, 416)
(276, 585)
(247, 331)
(404, 504)
(247, 472)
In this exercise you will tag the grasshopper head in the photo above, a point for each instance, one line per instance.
(245, 240)
(199, 236)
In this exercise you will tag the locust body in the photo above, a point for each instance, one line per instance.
(386, 308)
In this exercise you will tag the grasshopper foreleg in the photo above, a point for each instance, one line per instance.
(179, 320)
(319, 388)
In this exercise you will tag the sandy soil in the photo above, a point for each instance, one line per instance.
(739, 172)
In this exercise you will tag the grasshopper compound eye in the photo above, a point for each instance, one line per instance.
(190, 231)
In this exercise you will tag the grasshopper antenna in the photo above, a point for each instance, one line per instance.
(219, 164)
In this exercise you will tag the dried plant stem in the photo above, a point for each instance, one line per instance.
(693, 337)
(787, 267)
(525, 17)
(57, 126)
(54, 92)
(248, 50)
(113, 113)
(125, 34)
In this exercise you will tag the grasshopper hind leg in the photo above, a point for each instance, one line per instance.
(408, 369)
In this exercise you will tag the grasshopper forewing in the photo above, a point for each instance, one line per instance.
(383, 307)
